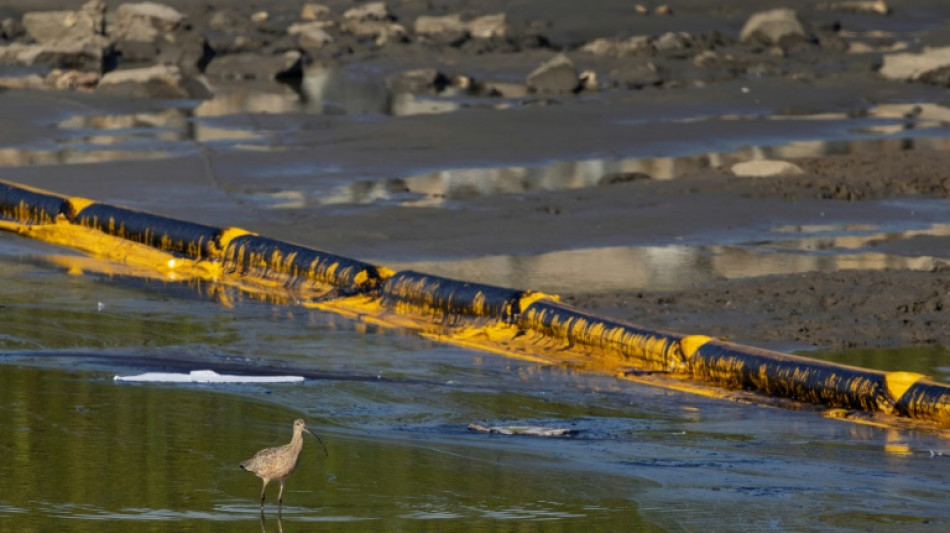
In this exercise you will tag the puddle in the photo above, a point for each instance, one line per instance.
(444, 187)
(817, 248)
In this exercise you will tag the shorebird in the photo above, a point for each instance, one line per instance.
(280, 462)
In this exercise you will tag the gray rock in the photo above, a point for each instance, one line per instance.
(11, 29)
(145, 21)
(638, 45)
(879, 7)
(228, 21)
(940, 76)
(90, 54)
(251, 65)
(635, 74)
(673, 43)
(379, 31)
(160, 81)
(371, 11)
(311, 35)
(448, 30)
(555, 76)
(776, 26)
(763, 168)
(60, 26)
(489, 26)
(911, 67)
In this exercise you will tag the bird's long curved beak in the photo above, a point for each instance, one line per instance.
(318, 440)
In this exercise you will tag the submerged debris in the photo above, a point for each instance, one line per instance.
(533, 431)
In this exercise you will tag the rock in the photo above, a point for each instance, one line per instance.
(260, 17)
(380, 31)
(672, 42)
(315, 12)
(448, 30)
(371, 11)
(30, 81)
(419, 81)
(762, 168)
(663, 10)
(776, 26)
(72, 80)
(228, 21)
(160, 81)
(639, 45)
(11, 29)
(92, 54)
(555, 76)
(859, 6)
(489, 26)
(310, 35)
(56, 26)
(252, 65)
(911, 67)
(635, 75)
(145, 21)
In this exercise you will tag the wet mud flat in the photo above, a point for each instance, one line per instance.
(487, 152)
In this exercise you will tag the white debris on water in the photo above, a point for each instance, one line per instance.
(206, 376)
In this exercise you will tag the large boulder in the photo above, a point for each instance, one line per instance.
(555, 76)
(774, 27)
(64, 26)
(145, 21)
(89, 55)
(916, 66)
(160, 81)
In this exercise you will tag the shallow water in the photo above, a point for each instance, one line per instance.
(92, 454)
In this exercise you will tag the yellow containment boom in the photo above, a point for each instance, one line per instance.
(513, 322)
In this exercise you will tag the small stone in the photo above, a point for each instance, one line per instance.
(448, 30)
(260, 17)
(663, 10)
(555, 76)
(762, 168)
(641, 9)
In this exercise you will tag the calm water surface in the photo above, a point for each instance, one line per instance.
(83, 453)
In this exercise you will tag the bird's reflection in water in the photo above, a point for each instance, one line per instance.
(280, 524)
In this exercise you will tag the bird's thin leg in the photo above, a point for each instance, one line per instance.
(262, 495)
(280, 495)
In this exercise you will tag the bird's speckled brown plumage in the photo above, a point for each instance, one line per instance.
(279, 462)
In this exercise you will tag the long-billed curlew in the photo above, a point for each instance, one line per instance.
(280, 462)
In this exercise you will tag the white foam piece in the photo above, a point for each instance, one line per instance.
(206, 376)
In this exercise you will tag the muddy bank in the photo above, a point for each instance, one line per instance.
(838, 310)
(528, 131)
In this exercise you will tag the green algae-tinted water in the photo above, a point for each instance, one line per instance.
(82, 452)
